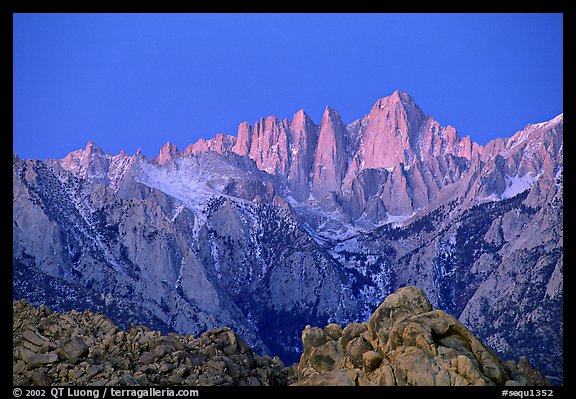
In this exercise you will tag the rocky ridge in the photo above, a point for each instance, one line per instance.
(404, 342)
(88, 349)
(234, 231)
(384, 167)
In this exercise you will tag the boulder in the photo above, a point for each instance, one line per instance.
(405, 342)
(352, 331)
(326, 357)
(313, 337)
(147, 358)
(42, 360)
(73, 349)
(34, 338)
(407, 301)
(355, 352)
(372, 360)
(334, 331)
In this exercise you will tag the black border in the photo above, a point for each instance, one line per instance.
(9, 7)
(329, 392)
(179, 6)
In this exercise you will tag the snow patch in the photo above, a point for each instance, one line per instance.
(397, 220)
(177, 212)
(515, 185)
(291, 200)
(193, 181)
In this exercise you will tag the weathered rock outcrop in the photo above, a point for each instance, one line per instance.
(405, 342)
(270, 145)
(168, 153)
(219, 144)
(88, 349)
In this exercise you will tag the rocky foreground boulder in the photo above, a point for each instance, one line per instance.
(88, 349)
(405, 342)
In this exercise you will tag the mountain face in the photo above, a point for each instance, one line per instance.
(200, 242)
(330, 158)
(292, 223)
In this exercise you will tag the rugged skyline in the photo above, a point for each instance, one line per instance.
(296, 222)
(137, 80)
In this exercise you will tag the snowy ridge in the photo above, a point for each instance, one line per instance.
(87, 227)
(529, 136)
(191, 180)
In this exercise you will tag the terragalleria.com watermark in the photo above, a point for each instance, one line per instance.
(105, 392)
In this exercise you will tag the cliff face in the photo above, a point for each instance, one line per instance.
(330, 161)
(293, 223)
(303, 144)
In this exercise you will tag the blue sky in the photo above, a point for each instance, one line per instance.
(129, 81)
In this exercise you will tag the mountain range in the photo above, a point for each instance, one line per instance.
(291, 223)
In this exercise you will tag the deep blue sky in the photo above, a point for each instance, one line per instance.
(129, 81)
